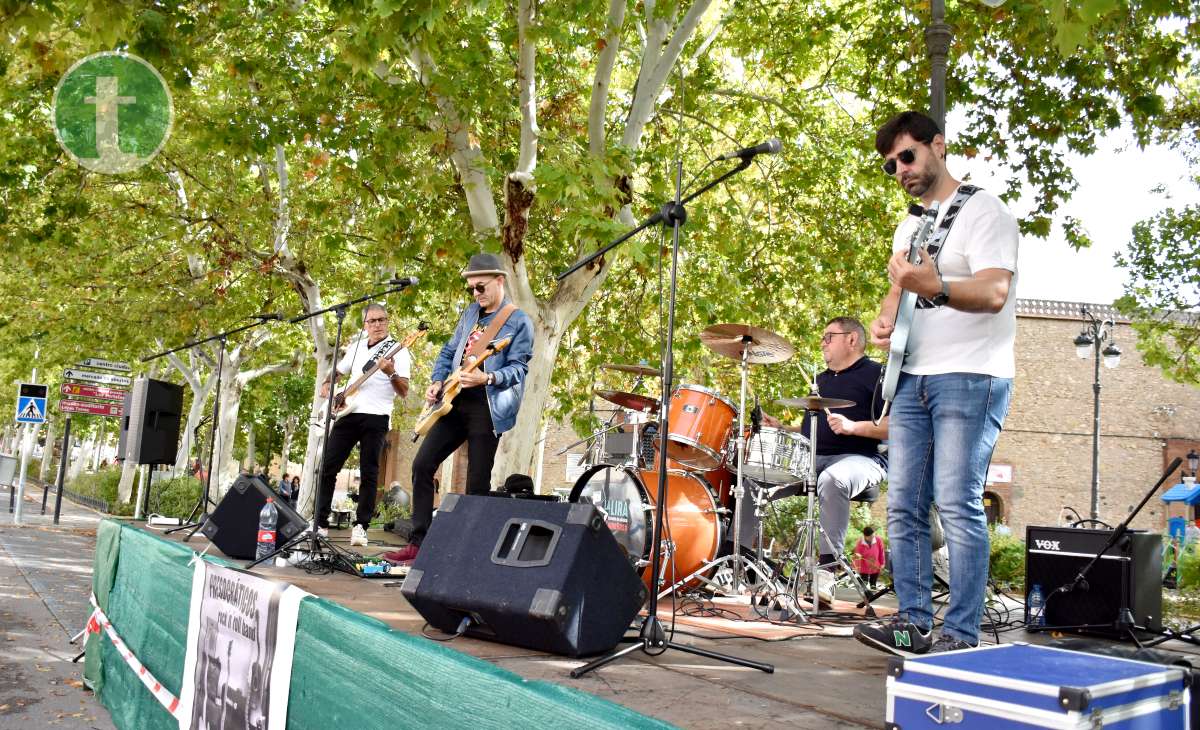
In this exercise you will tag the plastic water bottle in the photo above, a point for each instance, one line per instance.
(268, 519)
(1037, 606)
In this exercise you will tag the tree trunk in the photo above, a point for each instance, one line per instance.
(518, 448)
(125, 487)
(48, 451)
(289, 430)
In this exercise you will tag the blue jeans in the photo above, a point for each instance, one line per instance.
(941, 434)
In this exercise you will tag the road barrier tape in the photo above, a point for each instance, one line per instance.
(97, 621)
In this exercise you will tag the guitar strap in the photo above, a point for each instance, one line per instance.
(383, 347)
(934, 248)
(490, 333)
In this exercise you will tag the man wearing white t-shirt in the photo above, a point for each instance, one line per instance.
(367, 424)
(954, 387)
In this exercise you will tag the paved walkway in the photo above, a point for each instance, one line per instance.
(45, 581)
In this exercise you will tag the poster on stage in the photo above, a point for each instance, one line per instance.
(238, 666)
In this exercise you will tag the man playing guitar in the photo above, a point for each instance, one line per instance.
(487, 405)
(954, 386)
(367, 425)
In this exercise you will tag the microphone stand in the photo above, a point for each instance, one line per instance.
(652, 639)
(193, 524)
(1125, 623)
(320, 548)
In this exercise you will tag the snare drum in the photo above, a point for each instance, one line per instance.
(627, 497)
(700, 422)
(773, 456)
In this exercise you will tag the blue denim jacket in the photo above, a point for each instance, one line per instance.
(508, 366)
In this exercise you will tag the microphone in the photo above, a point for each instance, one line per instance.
(770, 147)
(266, 316)
(406, 281)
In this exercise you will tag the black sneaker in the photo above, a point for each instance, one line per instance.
(946, 643)
(895, 635)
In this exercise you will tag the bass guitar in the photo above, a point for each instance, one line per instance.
(344, 401)
(905, 311)
(450, 390)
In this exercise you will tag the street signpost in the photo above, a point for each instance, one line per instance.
(91, 376)
(98, 392)
(87, 390)
(91, 409)
(99, 362)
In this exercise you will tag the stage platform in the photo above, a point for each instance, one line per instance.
(823, 678)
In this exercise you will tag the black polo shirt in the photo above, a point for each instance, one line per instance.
(858, 383)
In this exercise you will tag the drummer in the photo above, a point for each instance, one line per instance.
(848, 459)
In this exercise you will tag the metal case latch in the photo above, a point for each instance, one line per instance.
(944, 714)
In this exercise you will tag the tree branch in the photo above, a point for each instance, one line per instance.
(604, 68)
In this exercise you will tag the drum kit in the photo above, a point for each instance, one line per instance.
(713, 454)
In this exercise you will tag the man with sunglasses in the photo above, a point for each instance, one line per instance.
(954, 387)
(367, 426)
(490, 397)
(848, 460)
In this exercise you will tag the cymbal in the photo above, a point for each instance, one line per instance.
(764, 346)
(635, 369)
(814, 402)
(632, 401)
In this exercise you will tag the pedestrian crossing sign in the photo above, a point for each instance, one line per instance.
(31, 403)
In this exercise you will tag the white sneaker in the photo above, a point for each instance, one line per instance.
(358, 536)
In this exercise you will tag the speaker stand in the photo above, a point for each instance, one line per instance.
(1124, 623)
(653, 640)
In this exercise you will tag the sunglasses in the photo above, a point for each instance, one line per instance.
(477, 288)
(908, 157)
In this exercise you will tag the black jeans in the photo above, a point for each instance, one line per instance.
(368, 431)
(470, 421)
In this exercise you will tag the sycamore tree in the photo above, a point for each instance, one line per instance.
(324, 147)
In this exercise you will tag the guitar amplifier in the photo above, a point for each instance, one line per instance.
(1127, 575)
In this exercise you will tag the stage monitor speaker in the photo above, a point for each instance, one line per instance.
(543, 575)
(1128, 575)
(233, 525)
(150, 423)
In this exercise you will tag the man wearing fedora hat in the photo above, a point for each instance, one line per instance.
(490, 397)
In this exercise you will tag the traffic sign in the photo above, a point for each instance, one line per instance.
(31, 403)
(91, 376)
(99, 362)
(81, 390)
(94, 409)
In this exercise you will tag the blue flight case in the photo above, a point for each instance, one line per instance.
(1025, 686)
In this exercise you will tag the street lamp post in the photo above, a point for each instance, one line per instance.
(1095, 332)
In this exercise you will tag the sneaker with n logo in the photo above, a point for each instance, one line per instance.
(895, 635)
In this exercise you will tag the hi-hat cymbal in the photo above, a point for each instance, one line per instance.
(632, 401)
(761, 346)
(635, 369)
(814, 402)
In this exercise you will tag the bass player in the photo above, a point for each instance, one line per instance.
(367, 425)
(487, 404)
(953, 390)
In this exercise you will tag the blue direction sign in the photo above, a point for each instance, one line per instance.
(31, 403)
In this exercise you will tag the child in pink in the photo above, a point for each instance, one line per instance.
(868, 556)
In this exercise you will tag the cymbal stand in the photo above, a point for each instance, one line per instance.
(739, 491)
(811, 535)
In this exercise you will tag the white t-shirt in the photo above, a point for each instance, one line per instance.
(947, 340)
(376, 394)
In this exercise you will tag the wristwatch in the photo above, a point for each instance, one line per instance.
(491, 379)
(942, 298)
(393, 376)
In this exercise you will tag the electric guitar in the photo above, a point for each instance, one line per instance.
(450, 390)
(905, 311)
(344, 401)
